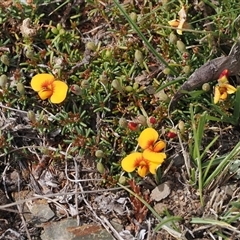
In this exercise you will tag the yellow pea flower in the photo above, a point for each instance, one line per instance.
(223, 88)
(152, 148)
(136, 160)
(150, 158)
(221, 92)
(47, 87)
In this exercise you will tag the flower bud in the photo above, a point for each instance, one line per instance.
(135, 86)
(20, 88)
(59, 26)
(141, 120)
(162, 96)
(181, 126)
(31, 116)
(206, 87)
(172, 133)
(29, 53)
(123, 122)
(133, 16)
(181, 46)
(152, 120)
(185, 55)
(91, 46)
(128, 88)
(100, 167)
(138, 56)
(76, 89)
(5, 59)
(99, 154)
(108, 54)
(224, 73)
(61, 31)
(132, 126)
(173, 38)
(54, 30)
(85, 84)
(116, 84)
(103, 78)
(166, 71)
(3, 80)
(187, 69)
(122, 180)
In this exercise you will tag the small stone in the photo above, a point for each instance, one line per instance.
(40, 210)
(160, 208)
(160, 192)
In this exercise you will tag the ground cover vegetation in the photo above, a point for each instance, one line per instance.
(117, 100)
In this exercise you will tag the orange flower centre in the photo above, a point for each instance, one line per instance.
(141, 162)
(151, 144)
(48, 86)
(222, 90)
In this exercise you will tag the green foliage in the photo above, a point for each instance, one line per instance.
(116, 58)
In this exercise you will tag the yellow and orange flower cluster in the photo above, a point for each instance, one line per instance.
(49, 88)
(223, 88)
(150, 158)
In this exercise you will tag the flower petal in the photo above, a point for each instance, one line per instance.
(153, 167)
(174, 23)
(217, 95)
(143, 170)
(147, 138)
(44, 94)
(224, 96)
(223, 80)
(230, 89)
(154, 156)
(60, 89)
(159, 146)
(180, 26)
(39, 79)
(130, 162)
